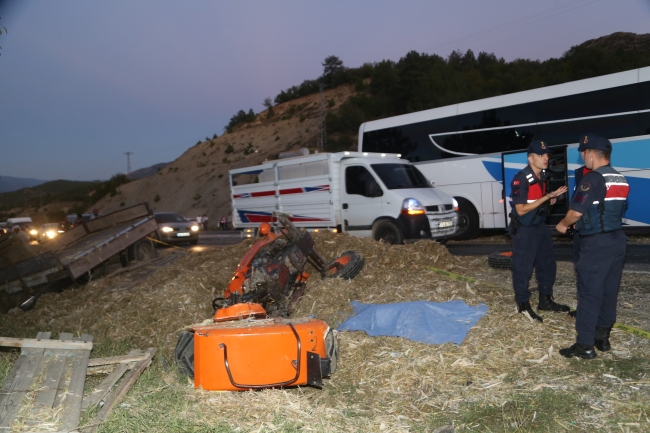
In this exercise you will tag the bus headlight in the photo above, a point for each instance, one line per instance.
(455, 203)
(411, 206)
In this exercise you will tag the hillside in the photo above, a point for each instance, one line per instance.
(9, 183)
(197, 182)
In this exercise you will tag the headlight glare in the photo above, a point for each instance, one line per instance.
(411, 206)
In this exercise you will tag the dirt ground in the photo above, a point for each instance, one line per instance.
(506, 375)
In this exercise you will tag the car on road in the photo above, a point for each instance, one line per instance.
(174, 228)
(48, 232)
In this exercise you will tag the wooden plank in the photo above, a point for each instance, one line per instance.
(107, 384)
(118, 217)
(45, 344)
(67, 371)
(99, 253)
(122, 389)
(22, 382)
(123, 359)
(72, 402)
(47, 392)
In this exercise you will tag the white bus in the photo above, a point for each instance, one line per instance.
(471, 150)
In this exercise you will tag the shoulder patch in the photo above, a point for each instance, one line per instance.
(580, 197)
(515, 182)
(585, 186)
(516, 191)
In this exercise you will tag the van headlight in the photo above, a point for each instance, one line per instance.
(167, 229)
(411, 206)
(455, 203)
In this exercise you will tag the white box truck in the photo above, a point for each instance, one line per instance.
(364, 194)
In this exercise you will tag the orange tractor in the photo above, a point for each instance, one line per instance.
(251, 343)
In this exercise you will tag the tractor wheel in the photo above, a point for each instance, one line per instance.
(332, 350)
(346, 266)
(500, 260)
(388, 232)
(184, 353)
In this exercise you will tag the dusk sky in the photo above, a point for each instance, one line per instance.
(82, 82)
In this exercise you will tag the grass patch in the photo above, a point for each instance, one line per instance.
(518, 413)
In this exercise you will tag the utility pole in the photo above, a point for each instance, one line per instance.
(322, 134)
(128, 162)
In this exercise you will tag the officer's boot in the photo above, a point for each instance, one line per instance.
(546, 303)
(580, 351)
(602, 339)
(525, 306)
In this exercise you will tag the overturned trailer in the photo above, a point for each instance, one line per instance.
(73, 255)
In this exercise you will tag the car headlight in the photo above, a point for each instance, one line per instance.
(455, 203)
(50, 234)
(411, 206)
(195, 228)
(33, 232)
(167, 229)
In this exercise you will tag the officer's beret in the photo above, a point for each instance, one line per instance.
(584, 139)
(599, 143)
(539, 147)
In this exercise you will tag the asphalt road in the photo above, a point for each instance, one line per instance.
(636, 253)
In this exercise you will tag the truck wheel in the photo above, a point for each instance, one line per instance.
(500, 260)
(467, 220)
(346, 266)
(332, 350)
(184, 353)
(388, 232)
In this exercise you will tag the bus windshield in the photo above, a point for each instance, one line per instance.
(400, 176)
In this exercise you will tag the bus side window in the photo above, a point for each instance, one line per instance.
(359, 181)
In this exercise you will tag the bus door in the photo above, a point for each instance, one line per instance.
(514, 162)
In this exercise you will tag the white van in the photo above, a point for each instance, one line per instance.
(364, 194)
(19, 221)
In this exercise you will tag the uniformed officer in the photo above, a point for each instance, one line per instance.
(531, 240)
(597, 208)
(578, 175)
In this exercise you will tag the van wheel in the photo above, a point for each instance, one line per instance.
(184, 353)
(388, 232)
(467, 220)
(500, 260)
(346, 266)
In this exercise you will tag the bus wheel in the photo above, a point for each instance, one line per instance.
(467, 220)
(388, 232)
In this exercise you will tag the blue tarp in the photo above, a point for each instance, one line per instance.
(427, 322)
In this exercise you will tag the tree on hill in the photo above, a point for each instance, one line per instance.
(239, 118)
(333, 70)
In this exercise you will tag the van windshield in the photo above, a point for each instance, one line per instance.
(400, 176)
